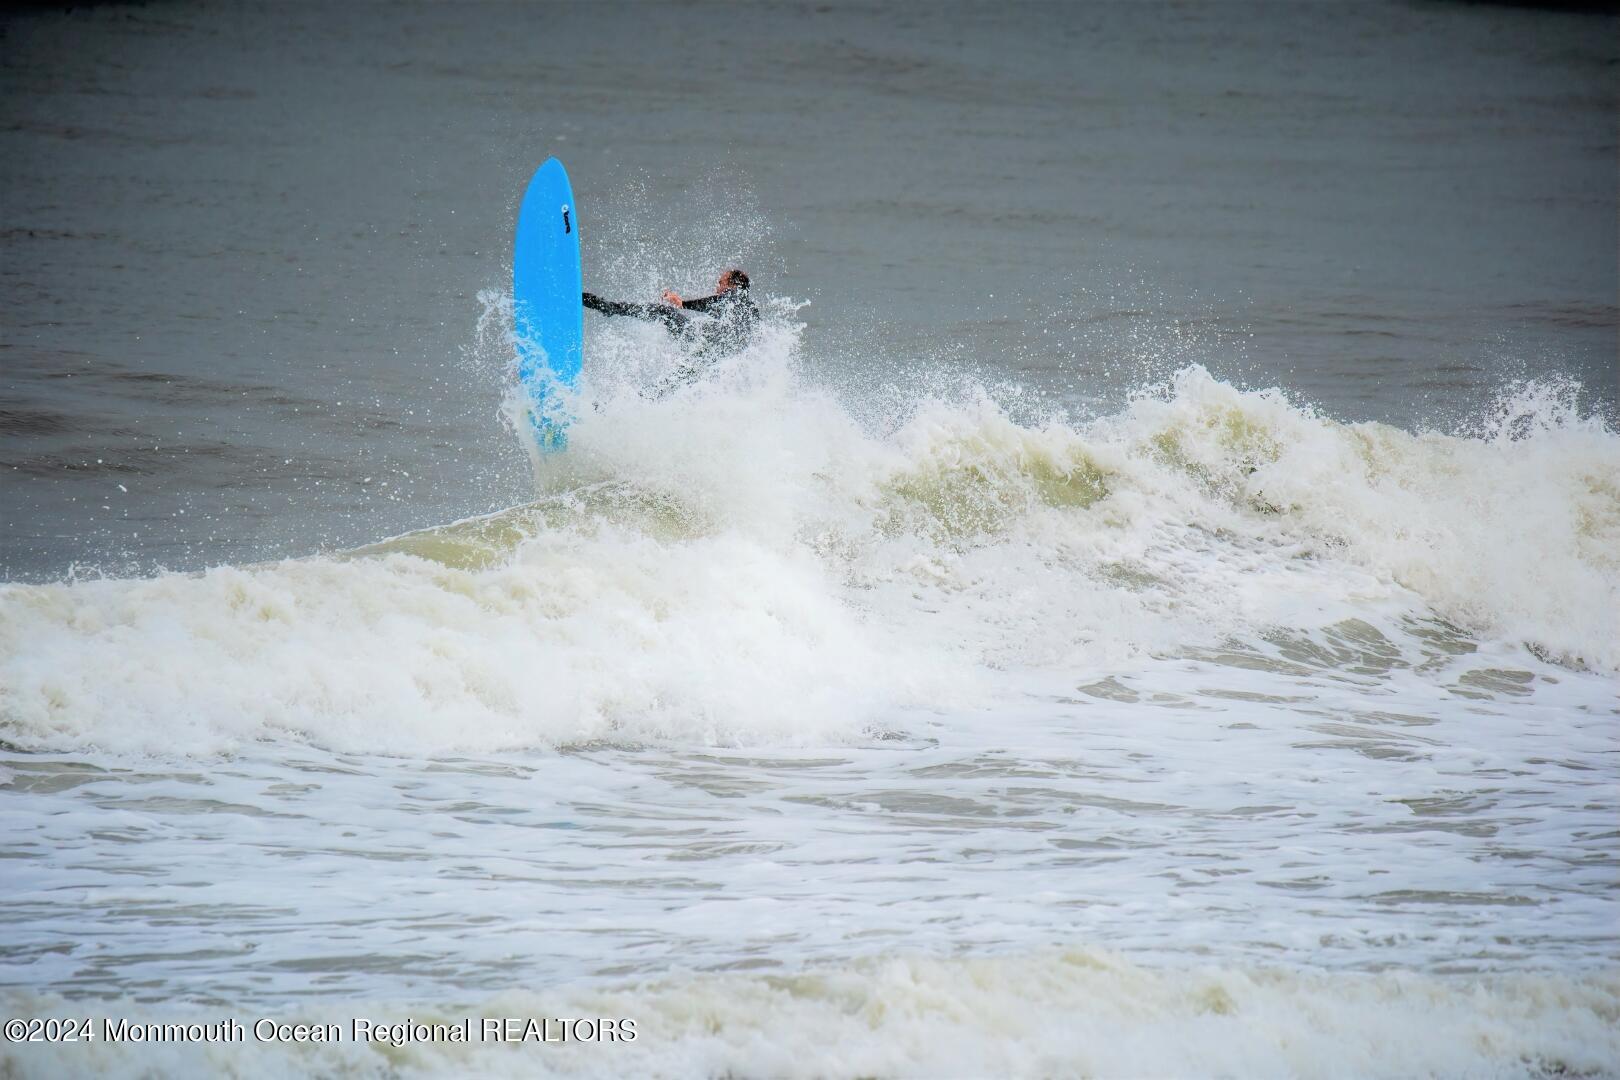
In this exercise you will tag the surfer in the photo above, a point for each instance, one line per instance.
(730, 315)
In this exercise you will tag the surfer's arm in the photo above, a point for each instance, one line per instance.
(609, 307)
(659, 313)
(702, 303)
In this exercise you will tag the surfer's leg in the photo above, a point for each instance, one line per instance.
(687, 372)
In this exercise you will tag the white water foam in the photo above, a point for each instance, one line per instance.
(1057, 1012)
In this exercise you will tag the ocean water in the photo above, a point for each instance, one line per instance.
(1147, 603)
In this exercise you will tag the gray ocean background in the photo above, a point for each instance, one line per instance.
(241, 245)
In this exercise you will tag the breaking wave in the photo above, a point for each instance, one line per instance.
(745, 562)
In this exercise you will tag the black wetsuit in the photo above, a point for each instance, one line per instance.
(730, 325)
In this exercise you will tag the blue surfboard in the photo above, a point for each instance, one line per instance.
(548, 318)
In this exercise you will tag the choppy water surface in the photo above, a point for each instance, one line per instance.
(1200, 822)
(1164, 622)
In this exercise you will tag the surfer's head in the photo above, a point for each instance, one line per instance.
(733, 279)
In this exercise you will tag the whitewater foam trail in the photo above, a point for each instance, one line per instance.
(1056, 1012)
(745, 563)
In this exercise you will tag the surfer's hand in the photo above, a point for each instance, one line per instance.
(672, 298)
